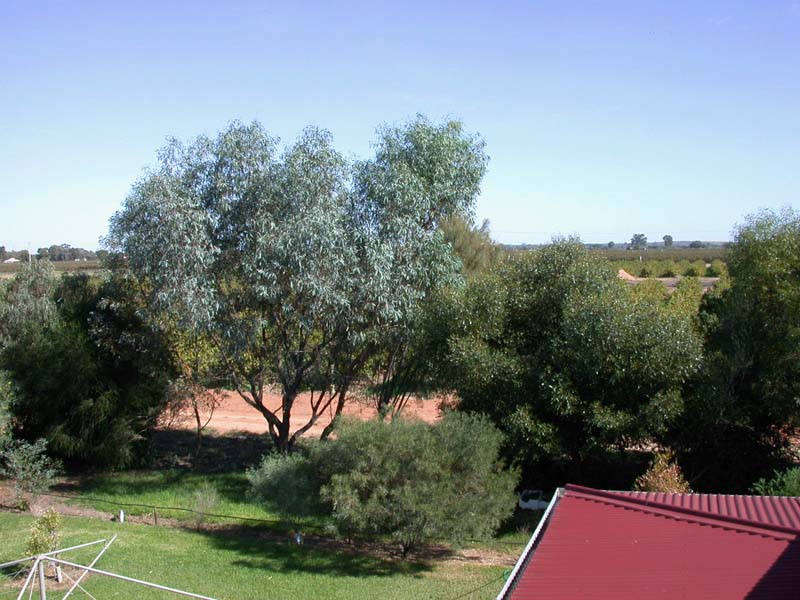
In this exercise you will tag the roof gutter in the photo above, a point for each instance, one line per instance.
(531, 543)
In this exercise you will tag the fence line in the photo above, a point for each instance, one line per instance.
(307, 527)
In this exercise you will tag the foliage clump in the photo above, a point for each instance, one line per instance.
(663, 475)
(402, 480)
(45, 533)
(782, 483)
(90, 374)
(29, 468)
(567, 360)
(741, 409)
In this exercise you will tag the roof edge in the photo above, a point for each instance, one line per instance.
(509, 584)
(617, 497)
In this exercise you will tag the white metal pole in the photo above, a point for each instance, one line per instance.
(42, 590)
(76, 583)
(131, 579)
(55, 552)
(28, 579)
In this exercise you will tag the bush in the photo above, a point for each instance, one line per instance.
(415, 482)
(786, 483)
(45, 533)
(663, 475)
(405, 480)
(287, 484)
(27, 465)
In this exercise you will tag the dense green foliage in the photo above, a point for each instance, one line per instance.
(89, 373)
(405, 480)
(782, 483)
(570, 362)
(302, 267)
(742, 410)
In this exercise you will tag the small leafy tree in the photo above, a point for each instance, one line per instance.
(663, 475)
(45, 533)
(639, 241)
(29, 468)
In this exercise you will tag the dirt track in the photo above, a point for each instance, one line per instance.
(234, 414)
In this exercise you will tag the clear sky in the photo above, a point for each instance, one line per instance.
(601, 118)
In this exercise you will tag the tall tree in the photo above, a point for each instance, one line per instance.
(667, 241)
(639, 241)
(299, 266)
(568, 360)
(743, 409)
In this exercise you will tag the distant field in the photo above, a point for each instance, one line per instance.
(690, 254)
(64, 266)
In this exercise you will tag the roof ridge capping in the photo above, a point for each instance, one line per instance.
(625, 498)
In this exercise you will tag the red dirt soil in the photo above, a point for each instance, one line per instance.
(234, 414)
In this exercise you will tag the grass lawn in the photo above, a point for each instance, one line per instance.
(246, 564)
(177, 487)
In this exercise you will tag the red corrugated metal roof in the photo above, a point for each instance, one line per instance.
(621, 545)
(781, 511)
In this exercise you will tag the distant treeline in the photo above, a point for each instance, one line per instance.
(55, 253)
(64, 266)
(675, 254)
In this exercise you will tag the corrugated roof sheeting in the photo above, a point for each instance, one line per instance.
(631, 545)
(767, 510)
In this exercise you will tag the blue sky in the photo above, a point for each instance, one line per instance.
(601, 118)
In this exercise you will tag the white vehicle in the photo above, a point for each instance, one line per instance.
(532, 500)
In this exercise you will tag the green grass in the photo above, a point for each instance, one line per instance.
(176, 488)
(246, 564)
(170, 488)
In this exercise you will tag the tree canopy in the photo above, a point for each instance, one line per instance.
(299, 265)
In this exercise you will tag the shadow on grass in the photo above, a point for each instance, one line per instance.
(223, 453)
(262, 550)
(223, 462)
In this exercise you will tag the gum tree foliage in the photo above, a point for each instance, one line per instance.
(300, 266)
(26, 302)
(743, 408)
(569, 361)
(413, 367)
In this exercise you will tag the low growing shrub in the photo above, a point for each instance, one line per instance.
(29, 467)
(663, 475)
(403, 480)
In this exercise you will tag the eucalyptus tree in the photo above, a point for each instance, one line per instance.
(299, 265)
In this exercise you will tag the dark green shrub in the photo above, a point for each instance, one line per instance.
(289, 484)
(786, 483)
(405, 480)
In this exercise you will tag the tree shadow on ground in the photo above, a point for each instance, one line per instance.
(263, 550)
(220, 453)
(224, 460)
